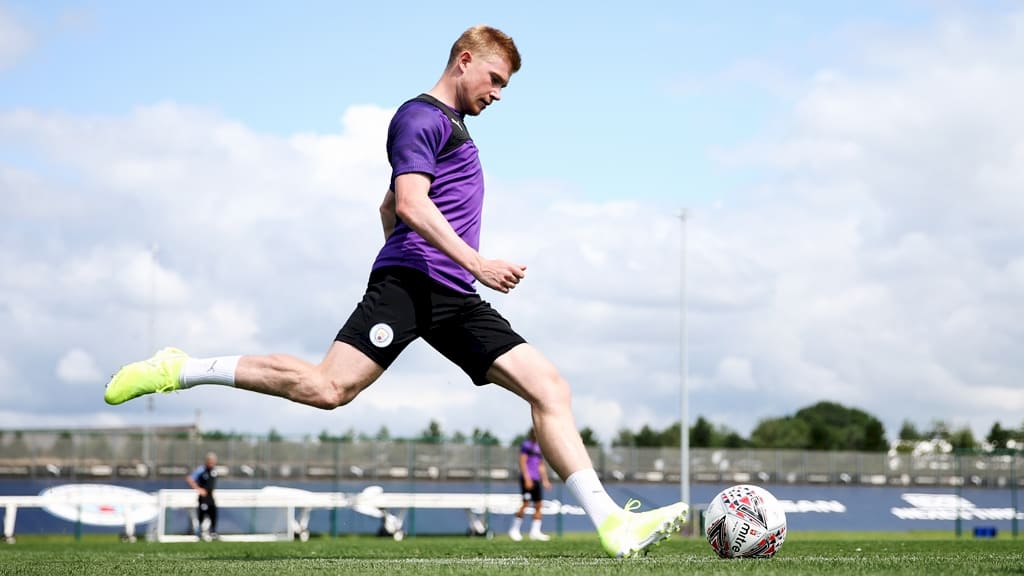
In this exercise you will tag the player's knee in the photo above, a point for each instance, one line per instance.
(335, 393)
(555, 392)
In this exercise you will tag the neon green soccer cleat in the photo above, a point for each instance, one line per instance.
(626, 533)
(156, 374)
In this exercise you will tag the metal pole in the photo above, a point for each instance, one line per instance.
(1014, 485)
(684, 422)
(147, 456)
(958, 524)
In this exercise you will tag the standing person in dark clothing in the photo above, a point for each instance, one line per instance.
(204, 480)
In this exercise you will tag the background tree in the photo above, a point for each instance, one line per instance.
(939, 431)
(325, 437)
(963, 439)
(874, 437)
(909, 433)
(215, 435)
(647, 437)
(670, 437)
(726, 438)
(781, 433)
(484, 437)
(998, 436)
(624, 438)
(833, 426)
(589, 437)
(820, 436)
(432, 434)
(701, 433)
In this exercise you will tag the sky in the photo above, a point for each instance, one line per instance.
(207, 175)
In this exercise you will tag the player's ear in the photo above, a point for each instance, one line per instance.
(464, 59)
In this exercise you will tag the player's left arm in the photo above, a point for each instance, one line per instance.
(387, 213)
(544, 476)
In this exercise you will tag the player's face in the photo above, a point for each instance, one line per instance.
(482, 82)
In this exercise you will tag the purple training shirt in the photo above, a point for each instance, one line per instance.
(417, 134)
(533, 457)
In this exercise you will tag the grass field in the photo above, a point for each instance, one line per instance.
(818, 554)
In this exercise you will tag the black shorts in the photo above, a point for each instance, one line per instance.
(402, 304)
(535, 494)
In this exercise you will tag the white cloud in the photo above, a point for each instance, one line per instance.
(15, 40)
(77, 367)
(890, 231)
(6, 373)
(603, 415)
(736, 373)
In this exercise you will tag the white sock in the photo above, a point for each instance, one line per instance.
(587, 488)
(517, 522)
(219, 370)
(535, 527)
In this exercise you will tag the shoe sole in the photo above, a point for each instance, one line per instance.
(663, 533)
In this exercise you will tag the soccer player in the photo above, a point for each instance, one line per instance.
(203, 480)
(422, 285)
(533, 474)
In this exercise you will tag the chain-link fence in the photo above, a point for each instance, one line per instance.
(94, 455)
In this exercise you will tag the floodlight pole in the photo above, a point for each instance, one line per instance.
(684, 421)
(147, 455)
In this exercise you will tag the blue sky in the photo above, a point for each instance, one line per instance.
(645, 86)
(851, 168)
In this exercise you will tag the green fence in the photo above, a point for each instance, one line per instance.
(97, 454)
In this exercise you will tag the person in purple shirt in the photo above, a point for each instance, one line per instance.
(423, 285)
(533, 474)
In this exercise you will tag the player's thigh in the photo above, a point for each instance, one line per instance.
(349, 367)
(525, 371)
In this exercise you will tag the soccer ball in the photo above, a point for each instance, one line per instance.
(745, 521)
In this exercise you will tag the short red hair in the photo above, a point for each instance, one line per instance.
(486, 41)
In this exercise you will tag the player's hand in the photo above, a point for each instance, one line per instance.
(528, 483)
(501, 275)
(547, 485)
(201, 491)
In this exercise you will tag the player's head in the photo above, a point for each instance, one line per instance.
(531, 435)
(483, 60)
(211, 459)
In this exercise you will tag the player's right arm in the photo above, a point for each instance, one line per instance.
(191, 480)
(525, 471)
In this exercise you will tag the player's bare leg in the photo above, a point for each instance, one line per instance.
(527, 373)
(340, 377)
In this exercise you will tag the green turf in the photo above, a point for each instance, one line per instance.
(825, 554)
